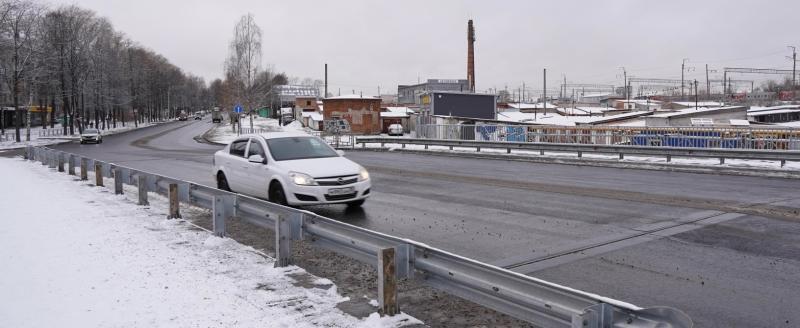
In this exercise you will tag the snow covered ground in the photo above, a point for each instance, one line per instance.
(36, 140)
(729, 163)
(224, 134)
(89, 258)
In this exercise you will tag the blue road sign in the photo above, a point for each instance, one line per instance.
(237, 109)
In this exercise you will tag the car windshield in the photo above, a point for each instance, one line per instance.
(286, 149)
(90, 131)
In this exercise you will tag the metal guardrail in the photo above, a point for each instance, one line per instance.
(668, 152)
(524, 297)
(770, 138)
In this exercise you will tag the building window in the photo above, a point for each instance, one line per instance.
(308, 102)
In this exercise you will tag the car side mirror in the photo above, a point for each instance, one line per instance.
(257, 159)
(340, 152)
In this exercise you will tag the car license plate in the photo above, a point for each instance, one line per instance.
(341, 191)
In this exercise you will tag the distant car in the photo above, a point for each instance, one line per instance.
(91, 136)
(198, 117)
(290, 168)
(395, 130)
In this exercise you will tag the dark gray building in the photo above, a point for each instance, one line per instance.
(409, 94)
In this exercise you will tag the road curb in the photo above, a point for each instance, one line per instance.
(682, 168)
(203, 138)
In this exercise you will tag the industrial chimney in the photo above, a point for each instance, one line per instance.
(471, 56)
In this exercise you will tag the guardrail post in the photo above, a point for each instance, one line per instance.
(387, 283)
(721, 160)
(84, 169)
(98, 174)
(71, 164)
(118, 181)
(669, 158)
(283, 241)
(174, 203)
(508, 150)
(580, 154)
(451, 147)
(596, 316)
(141, 182)
(219, 209)
(383, 144)
(783, 162)
(402, 145)
(28, 151)
(478, 149)
(60, 158)
(541, 152)
(426, 147)
(621, 156)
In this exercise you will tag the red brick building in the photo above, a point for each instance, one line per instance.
(363, 113)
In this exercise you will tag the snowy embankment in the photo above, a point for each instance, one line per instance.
(707, 162)
(37, 140)
(74, 255)
(223, 133)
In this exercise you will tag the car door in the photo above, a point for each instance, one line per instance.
(235, 164)
(256, 173)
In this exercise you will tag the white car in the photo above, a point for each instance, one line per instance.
(91, 135)
(290, 168)
(395, 130)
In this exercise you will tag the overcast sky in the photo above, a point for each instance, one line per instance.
(368, 44)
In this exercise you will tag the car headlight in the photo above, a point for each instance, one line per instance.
(302, 179)
(363, 175)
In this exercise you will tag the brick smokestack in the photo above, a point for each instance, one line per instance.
(471, 56)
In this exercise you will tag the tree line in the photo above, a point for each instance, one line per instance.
(67, 65)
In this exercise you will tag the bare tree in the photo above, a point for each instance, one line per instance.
(244, 62)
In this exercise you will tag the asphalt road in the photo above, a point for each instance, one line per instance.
(724, 249)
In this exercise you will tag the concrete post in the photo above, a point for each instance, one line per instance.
(84, 169)
(98, 174)
(387, 283)
(174, 203)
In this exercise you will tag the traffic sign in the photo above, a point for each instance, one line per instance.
(237, 109)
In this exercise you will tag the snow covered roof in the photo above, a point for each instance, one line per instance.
(689, 111)
(736, 122)
(773, 111)
(313, 115)
(404, 110)
(393, 114)
(699, 103)
(353, 97)
(531, 106)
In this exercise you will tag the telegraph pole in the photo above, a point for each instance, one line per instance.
(794, 71)
(683, 68)
(708, 85)
(695, 94)
(624, 82)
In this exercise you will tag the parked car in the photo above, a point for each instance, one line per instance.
(91, 136)
(290, 168)
(198, 116)
(395, 130)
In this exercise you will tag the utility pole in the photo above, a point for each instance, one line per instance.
(624, 82)
(708, 84)
(683, 68)
(326, 82)
(695, 94)
(794, 71)
(523, 90)
(544, 93)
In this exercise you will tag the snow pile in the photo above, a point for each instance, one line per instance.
(224, 134)
(90, 258)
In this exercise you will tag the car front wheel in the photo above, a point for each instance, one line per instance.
(222, 182)
(276, 194)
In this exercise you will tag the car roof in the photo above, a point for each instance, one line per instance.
(275, 135)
